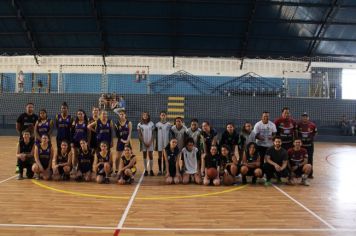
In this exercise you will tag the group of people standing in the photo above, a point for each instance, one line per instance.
(85, 148)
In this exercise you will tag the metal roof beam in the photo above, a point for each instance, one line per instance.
(247, 33)
(328, 16)
(99, 28)
(26, 27)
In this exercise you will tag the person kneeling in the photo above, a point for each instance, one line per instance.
(85, 160)
(276, 162)
(298, 163)
(212, 167)
(251, 163)
(62, 162)
(25, 150)
(43, 158)
(190, 163)
(127, 166)
(170, 155)
(102, 163)
(228, 167)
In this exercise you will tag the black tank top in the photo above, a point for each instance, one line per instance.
(26, 148)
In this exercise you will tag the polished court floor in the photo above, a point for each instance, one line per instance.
(149, 207)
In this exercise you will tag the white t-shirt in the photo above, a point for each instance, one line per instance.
(265, 130)
(190, 160)
(146, 130)
(162, 134)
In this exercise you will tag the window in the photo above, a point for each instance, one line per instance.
(348, 84)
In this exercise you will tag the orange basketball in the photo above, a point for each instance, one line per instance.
(212, 173)
(228, 180)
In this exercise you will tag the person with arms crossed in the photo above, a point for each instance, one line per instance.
(286, 128)
(307, 131)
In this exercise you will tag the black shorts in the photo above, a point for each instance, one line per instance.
(100, 170)
(84, 168)
(172, 171)
(61, 170)
(299, 171)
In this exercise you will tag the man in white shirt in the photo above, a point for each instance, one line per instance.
(264, 131)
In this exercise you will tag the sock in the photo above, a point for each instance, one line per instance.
(151, 164)
(160, 163)
(145, 164)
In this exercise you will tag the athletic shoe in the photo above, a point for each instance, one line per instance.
(146, 173)
(159, 173)
(79, 179)
(19, 177)
(37, 177)
(254, 179)
(244, 180)
(279, 181)
(268, 183)
(17, 170)
(305, 182)
(290, 182)
(151, 173)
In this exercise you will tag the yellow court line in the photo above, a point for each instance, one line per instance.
(138, 198)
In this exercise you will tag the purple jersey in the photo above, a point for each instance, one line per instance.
(63, 127)
(80, 132)
(43, 127)
(103, 132)
(44, 155)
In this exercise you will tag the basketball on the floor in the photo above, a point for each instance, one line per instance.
(228, 180)
(212, 173)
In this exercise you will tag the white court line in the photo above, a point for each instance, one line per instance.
(179, 229)
(304, 207)
(241, 229)
(129, 204)
(57, 226)
(3, 181)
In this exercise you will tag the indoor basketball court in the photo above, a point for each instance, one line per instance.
(149, 207)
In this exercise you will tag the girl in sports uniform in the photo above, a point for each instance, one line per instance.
(85, 159)
(92, 136)
(43, 158)
(250, 165)
(103, 128)
(145, 133)
(44, 125)
(162, 139)
(64, 125)
(123, 129)
(79, 132)
(127, 167)
(171, 157)
(62, 162)
(102, 163)
(228, 165)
